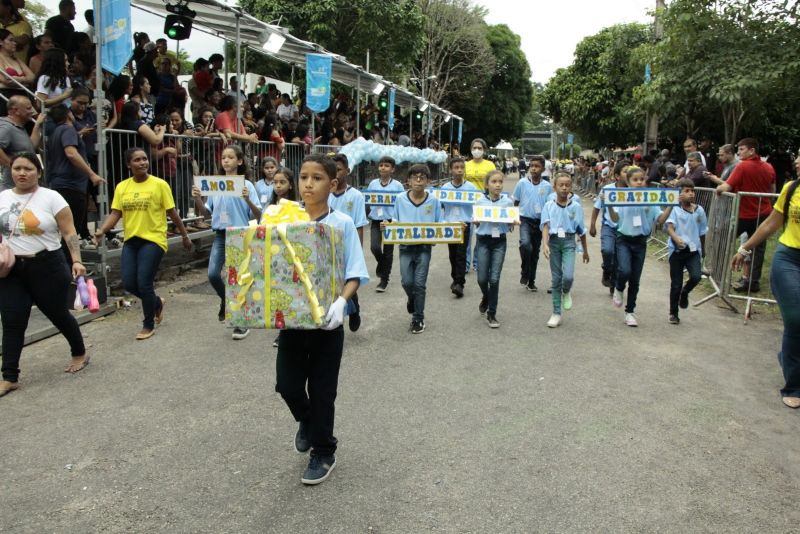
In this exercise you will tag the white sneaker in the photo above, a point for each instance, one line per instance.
(240, 333)
(617, 298)
(554, 321)
(566, 300)
(630, 320)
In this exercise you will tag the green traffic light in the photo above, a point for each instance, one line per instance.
(172, 32)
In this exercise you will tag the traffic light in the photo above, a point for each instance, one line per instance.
(383, 103)
(418, 115)
(178, 27)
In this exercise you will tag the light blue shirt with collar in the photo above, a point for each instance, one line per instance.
(264, 191)
(689, 225)
(637, 220)
(383, 213)
(232, 211)
(428, 211)
(598, 204)
(489, 228)
(531, 197)
(350, 202)
(355, 267)
(568, 218)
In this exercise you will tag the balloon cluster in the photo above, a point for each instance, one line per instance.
(362, 150)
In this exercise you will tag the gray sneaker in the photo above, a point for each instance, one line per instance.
(318, 470)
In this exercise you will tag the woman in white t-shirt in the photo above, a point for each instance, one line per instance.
(33, 220)
(53, 85)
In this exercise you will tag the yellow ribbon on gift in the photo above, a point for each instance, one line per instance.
(279, 215)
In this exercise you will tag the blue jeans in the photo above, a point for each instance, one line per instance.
(631, 253)
(784, 280)
(140, 259)
(216, 261)
(608, 249)
(414, 263)
(562, 267)
(530, 241)
(491, 252)
(679, 260)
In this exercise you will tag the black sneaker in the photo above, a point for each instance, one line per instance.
(674, 319)
(492, 320)
(417, 327)
(410, 305)
(684, 302)
(549, 290)
(532, 287)
(382, 286)
(301, 442)
(458, 291)
(275, 343)
(523, 280)
(221, 314)
(319, 468)
(453, 288)
(606, 281)
(354, 322)
(483, 306)
(240, 333)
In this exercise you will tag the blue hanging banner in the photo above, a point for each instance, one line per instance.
(115, 36)
(392, 92)
(318, 82)
(647, 73)
(460, 127)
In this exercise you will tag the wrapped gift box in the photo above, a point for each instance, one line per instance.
(282, 275)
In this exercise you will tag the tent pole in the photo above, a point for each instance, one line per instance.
(238, 70)
(101, 125)
(358, 105)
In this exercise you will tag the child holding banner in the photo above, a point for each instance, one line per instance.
(269, 166)
(634, 225)
(308, 361)
(458, 212)
(350, 201)
(490, 248)
(608, 230)
(687, 226)
(562, 220)
(530, 195)
(384, 254)
(235, 208)
(416, 206)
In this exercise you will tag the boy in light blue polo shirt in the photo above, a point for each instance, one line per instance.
(416, 206)
(384, 254)
(226, 211)
(530, 195)
(350, 201)
(687, 226)
(455, 212)
(562, 220)
(608, 231)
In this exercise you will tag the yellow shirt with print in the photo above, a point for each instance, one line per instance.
(143, 206)
(18, 28)
(791, 234)
(475, 173)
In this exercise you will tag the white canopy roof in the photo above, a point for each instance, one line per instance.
(219, 19)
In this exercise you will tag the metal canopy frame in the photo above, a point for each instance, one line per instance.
(222, 20)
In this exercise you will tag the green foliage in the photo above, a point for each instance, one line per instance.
(391, 29)
(501, 110)
(593, 97)
(36, 14)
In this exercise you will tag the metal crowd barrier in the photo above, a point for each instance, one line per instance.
(722, 214)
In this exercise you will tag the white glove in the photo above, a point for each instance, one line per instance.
(335, 316)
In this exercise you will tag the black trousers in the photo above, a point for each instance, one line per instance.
(307, 369)
(384, 254)
(77, 205)
(44, 281)
(749, 226)
(458, 258)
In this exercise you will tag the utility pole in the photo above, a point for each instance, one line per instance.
(651, 124)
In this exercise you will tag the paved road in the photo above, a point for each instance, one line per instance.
(593, 426)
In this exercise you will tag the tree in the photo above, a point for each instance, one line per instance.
(455, 52)
(500, 112)
(392, 30)
(593, 97)
(36, 14)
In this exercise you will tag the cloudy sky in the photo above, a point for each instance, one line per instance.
(549, 30)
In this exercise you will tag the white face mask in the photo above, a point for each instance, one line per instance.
(477, 153)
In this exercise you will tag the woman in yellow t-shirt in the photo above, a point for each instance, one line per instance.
(477, 168)
(784, 280)
(141, 201)
(475, 171)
